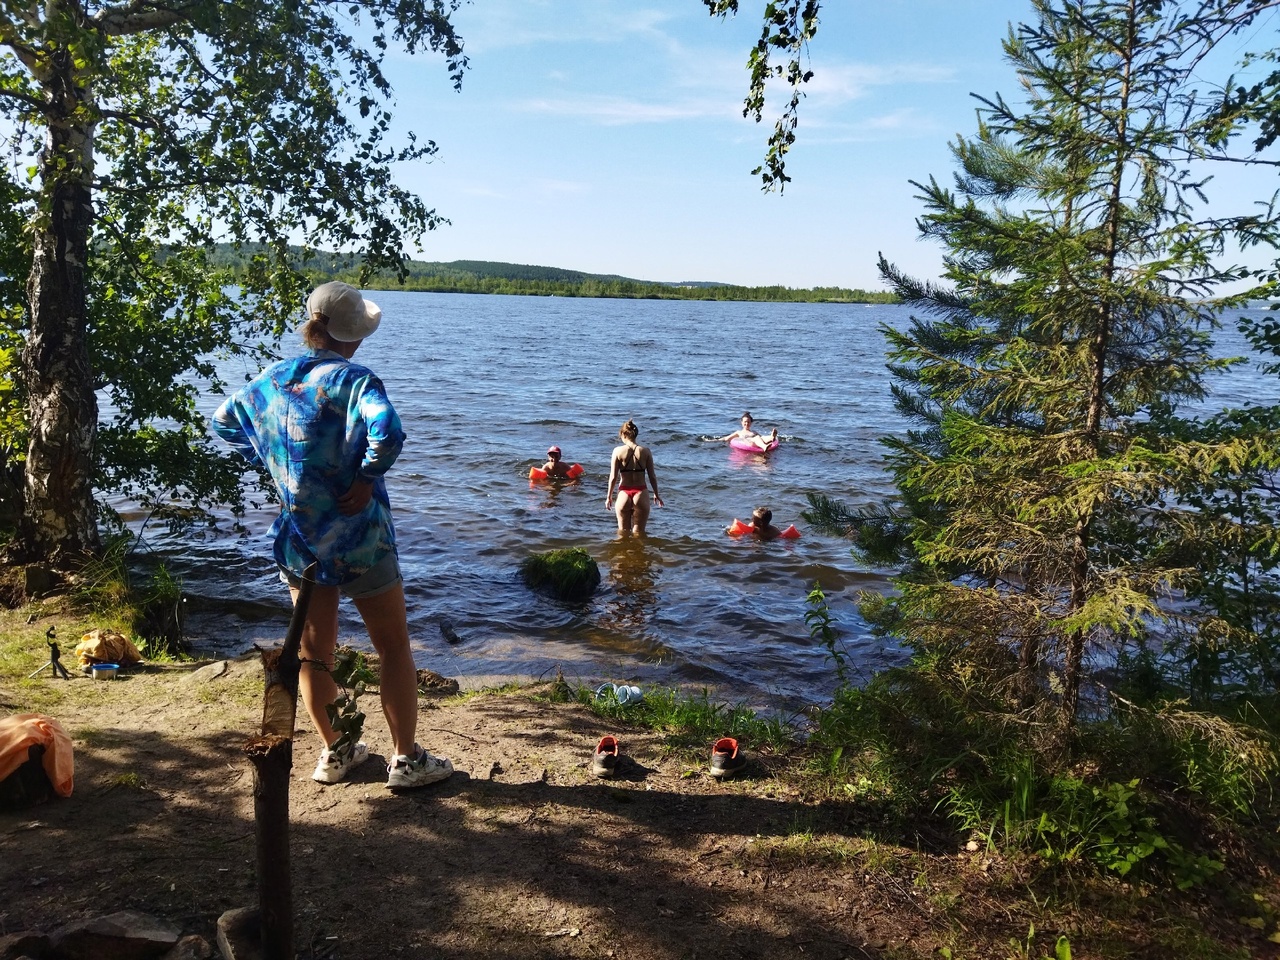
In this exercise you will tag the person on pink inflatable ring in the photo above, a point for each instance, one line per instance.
(746, 436)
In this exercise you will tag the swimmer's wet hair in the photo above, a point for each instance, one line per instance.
(764, 514)
(629, 430)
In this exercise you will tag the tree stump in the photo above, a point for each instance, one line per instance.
(271, 753)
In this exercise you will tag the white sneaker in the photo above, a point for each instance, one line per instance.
(332, 767)
(406, 772)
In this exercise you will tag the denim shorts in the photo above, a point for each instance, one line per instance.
(379, 578)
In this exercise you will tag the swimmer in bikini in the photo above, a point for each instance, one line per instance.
(748, 435)
(628, 467)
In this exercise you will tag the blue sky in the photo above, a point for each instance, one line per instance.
(608, 137)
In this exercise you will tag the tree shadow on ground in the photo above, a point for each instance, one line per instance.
(520, 854)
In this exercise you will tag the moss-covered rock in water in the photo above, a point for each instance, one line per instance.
(565, 574)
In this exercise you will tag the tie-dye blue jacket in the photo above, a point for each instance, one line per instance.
(316, 422)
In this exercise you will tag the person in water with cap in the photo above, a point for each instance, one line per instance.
(555, 466)
(326, 432)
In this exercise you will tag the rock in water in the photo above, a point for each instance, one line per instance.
(570, 575)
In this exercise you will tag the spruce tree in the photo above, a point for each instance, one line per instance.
(1037, 491)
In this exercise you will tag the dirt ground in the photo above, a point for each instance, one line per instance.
(522, 853)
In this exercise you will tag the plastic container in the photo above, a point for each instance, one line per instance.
(621, 692)
(104, 671)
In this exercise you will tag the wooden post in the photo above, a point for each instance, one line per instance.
(271, 753)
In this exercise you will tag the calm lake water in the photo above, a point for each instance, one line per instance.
(484, 384)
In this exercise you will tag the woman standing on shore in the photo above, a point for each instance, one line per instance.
(324, 429)
(628, 467)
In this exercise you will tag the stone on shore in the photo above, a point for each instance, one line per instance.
(25, 943)
(190, 948)
(127, 935)
(240, 934)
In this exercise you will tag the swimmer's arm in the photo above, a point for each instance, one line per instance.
(653, 477)
(613, 475)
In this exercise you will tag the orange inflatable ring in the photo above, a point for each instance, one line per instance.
(537, 473)
(738, 528)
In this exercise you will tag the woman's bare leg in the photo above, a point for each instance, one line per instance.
(622, 507)
(386, 620)
(641, 511)
(319, 640)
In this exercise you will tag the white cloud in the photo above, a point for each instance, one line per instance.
(835, 84)
(619, 111)
(907, 123)
(498, 24)
(478, 190)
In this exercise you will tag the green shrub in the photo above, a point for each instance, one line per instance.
(158, 615)
(1129, 792)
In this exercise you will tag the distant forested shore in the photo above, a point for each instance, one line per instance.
(483, 276)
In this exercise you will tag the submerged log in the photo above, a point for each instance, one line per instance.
(271, 753)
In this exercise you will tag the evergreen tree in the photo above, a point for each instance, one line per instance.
(1038, 493)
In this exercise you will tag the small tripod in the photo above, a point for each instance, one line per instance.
(55, 657)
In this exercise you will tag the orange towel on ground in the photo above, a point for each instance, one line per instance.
(20, 732)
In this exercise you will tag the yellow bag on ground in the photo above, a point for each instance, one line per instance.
(106, 646)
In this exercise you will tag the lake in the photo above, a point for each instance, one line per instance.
(484, 384)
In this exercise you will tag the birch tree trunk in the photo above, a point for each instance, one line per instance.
(59, 524)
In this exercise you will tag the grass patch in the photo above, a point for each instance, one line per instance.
(240, 691)
(693, 720)
(805, 848)
(96, 738)
(499, 690)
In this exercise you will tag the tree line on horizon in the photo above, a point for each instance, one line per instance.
(496, 277)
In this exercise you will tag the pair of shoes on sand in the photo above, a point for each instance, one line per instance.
(726, 760)
(403, 772)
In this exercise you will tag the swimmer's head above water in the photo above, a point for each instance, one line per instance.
(629, 431)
